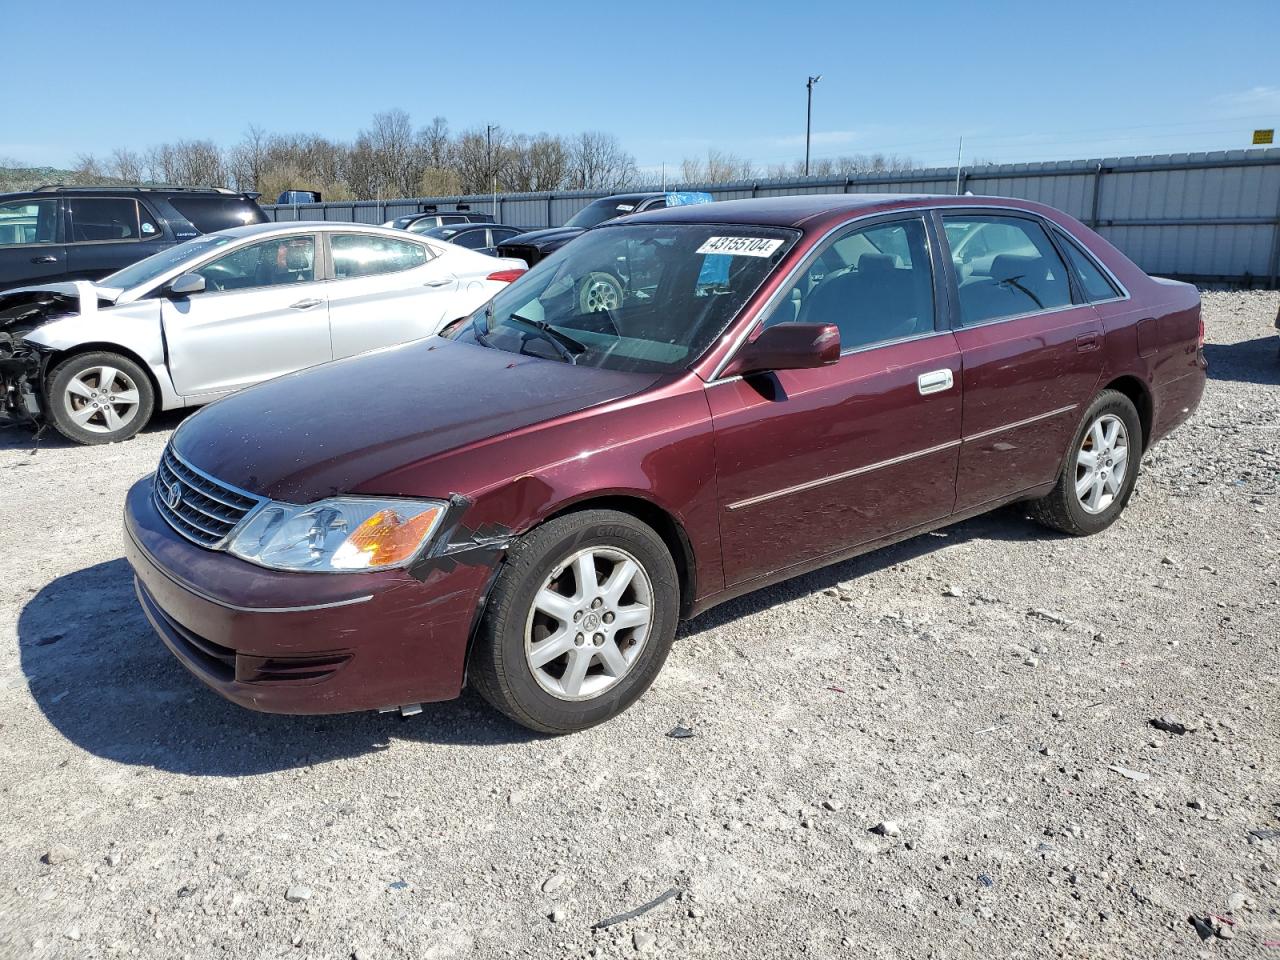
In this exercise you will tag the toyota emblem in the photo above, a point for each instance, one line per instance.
(173, 496)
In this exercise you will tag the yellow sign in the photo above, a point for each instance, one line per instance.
(1264, 136)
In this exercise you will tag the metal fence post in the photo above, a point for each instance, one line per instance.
(550, 197)
(1097, 194)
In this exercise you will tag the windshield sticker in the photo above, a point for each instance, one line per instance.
(626, 206)
(741, 246)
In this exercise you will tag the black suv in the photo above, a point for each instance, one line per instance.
(84, 233)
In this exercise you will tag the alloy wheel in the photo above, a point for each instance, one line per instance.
(101, 399)
(1102, 463)
(588, 623)
(600, 295)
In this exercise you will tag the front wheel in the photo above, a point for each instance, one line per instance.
(579, 622)
(1100, 470)
(99, 397)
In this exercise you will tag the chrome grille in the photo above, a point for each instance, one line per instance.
(199, 507)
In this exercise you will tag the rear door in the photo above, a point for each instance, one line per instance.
(31, 247)
(1032, 356)
(263, 313)
(107, 233)
(811, 463)
(385, 290)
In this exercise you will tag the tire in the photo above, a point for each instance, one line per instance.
(549, 564)
(599, 290)
(1111, 416)
(80, 411)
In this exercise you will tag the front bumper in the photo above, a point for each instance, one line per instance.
(303, 643)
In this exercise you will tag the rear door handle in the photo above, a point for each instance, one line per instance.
(44, 259)
(1086, 342)
(437, 283)
(305, 304)
(935, 381)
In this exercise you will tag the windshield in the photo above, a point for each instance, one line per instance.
(156, 265)
(642, 297)
(601, 210)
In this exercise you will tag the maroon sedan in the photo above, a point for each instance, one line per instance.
(533, 501)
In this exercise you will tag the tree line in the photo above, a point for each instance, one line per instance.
(390, 158)
(393, 158)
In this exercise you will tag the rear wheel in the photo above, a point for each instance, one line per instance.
(1100, 470)
(579, 622)
(99, 397)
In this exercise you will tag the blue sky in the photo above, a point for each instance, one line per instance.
(1022, 80)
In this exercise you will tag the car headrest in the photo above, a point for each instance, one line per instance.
(297, 258)
(876, 263)
(1011, 266)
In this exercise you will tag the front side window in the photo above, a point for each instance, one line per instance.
(1005, 267)
(28, 221)
(471, 239)
(423, 225)
(363, 255)
(270, 263)
(94, 219)
(874, 283)
(1093, 281)
(642, 297)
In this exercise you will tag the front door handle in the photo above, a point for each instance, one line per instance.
(305, 304)
(935, 381)
(44, 259)
(437, 283)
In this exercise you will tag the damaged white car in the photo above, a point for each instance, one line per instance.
(222, 312)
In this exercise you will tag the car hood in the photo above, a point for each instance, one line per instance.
(538, 238)
(32, 305)
(339, 427)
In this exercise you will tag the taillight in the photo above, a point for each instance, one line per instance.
(506, 276)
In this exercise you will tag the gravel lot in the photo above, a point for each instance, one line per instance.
(987, 690)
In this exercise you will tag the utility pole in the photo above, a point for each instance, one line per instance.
(808, 121)
(493, 174)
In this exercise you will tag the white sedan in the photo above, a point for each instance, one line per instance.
(228, 310)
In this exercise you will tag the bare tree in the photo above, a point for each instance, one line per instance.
(248, 159)
(718, 167)
(598, 162)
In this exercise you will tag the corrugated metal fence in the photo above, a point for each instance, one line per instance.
(1208, 217)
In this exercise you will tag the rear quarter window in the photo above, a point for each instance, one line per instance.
(208, 214)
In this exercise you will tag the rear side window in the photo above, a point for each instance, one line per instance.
(94, 219)
(363, 255)
(28, 221)
(208, 214)
(1005, 267)
(1093, 281)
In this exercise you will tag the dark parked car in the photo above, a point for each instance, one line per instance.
(538, 244)
(84, 233)
(532, 503)
(420, 222)
(481, 237)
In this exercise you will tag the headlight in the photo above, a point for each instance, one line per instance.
(345, 533)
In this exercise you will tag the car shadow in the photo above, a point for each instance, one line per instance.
(107, 683)
(23, 436)
(1249, 361)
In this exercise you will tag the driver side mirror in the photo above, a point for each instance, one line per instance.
(184, 286)
(788, 346)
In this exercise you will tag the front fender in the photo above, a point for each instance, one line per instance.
(132, 328)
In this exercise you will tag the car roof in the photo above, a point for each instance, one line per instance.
(62, 188)
(811, 210)
(308, 226)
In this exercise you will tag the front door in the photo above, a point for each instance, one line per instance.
(814, 462)
(386, 291)
(1032, 357)
(263, 314)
